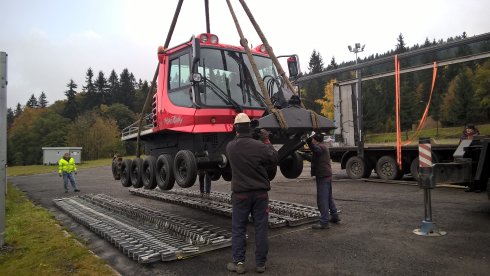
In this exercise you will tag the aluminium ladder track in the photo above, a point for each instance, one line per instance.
(144, 234)
(281, 213)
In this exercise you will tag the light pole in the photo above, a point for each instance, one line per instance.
(360, 145)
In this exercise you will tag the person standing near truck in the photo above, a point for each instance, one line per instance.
(204, 183)
(249, 160)
(67, 170)
(321, 169)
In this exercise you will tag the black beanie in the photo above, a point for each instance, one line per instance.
(243, 128)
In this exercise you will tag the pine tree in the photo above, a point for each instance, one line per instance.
(126, 95)
(313, 89)
(102, 88)
(316, 63)
(32, 102)
(401, 46)
(91, 98)
(42, 102)
(333, 64)
(71, 109)
(18, 110)
(113, 87)
(10, 117)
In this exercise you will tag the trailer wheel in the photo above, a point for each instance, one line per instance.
(164, 172)
(414, 169)
(292, 166)
(271, 172)
(125, 173)
(185, 168)
(356, 167)
(149, 175)
(116, 168)
(387, 168)
(136, 172)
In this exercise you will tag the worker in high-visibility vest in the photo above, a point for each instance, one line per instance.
(67, 170)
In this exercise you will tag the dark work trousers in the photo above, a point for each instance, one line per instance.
(204, 183)
(324, 198)
(255, 203)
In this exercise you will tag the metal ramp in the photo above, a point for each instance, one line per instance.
(146, 235)
(281, 213)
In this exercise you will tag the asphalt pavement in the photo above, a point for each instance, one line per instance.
(375, 236)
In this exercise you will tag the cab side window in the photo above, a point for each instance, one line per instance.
(179, 83)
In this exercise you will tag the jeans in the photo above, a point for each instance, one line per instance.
(255, 203)
(204, 183)
(324, 199)
(69, 176)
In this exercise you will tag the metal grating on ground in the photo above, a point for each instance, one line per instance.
(144, 234)
(281, 213)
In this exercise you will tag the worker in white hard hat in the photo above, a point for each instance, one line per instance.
(249, 160)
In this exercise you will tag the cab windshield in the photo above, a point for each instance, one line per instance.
(228, 79)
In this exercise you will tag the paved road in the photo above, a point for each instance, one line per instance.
(374, 238)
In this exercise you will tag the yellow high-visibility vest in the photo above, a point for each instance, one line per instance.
(67, 166)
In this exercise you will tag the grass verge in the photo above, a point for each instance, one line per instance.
(36, 245)
(38, 169)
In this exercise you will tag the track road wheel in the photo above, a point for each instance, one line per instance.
(164, 172)
(414, 169)
(116, 169)
(387, 168)
(125, 173)
(185, 168)
(292, 166)
(149, 173)
(137, 172)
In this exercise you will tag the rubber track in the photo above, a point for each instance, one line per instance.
(144, 234)
(281, 213)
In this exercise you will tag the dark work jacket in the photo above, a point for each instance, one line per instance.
(320, 161)
(249, 160)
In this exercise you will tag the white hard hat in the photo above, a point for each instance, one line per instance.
(242, 118)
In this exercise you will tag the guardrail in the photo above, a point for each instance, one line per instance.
(133, 128)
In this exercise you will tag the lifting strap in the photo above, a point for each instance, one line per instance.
(426, 112)
(314, 118)
(152, 86)
(243, 41)
(397, 111)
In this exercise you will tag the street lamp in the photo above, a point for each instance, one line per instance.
(360, 146)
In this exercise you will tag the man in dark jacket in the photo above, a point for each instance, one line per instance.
(249, 160)
(321, 169)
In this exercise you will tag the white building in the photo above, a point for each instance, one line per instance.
(51, 155)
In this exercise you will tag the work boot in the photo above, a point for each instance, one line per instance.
(236, 267)
(260, 269)
(320, 226)
(334, 218)
(77, 190)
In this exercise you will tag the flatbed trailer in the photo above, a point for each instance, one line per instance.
(382, 159)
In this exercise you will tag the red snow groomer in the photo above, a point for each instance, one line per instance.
(201, 86)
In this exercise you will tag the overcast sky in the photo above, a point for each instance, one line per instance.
(50, 42)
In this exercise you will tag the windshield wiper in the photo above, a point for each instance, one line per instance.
(222, 95)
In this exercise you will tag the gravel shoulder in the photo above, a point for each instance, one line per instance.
(374, 237)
